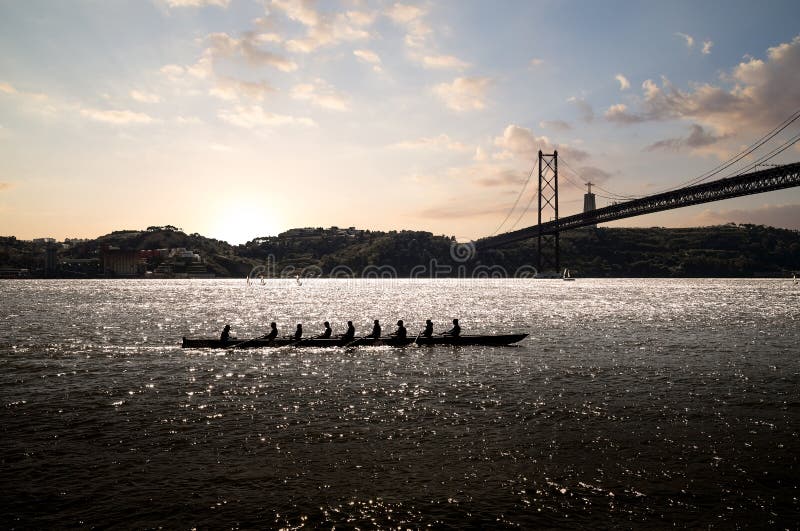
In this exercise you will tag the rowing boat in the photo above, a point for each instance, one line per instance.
(489, 340)
(285, 342)
(496, 340)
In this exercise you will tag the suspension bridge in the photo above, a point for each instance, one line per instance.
(697, 191)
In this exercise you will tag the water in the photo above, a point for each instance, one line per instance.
(634, 403)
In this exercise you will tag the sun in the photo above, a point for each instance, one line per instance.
(241, 222)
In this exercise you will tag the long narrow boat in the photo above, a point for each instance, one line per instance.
(496, 340)
(284, 342)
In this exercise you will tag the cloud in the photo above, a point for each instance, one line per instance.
(698, 138)
(536, 62)
(688, 38)
(7, 88)
(464, 93)
(556, 125)
(593, 174)
(321, 94)
(624, 84)
(619, 114)
(445, 62)
(410, 17)
(247, 47)
(522, 143)
(145, 97)
(707, 47)
(123, 117)
(457, 208)
(323, 29)
(230, 89)
(436, 142)
(369, 57)
(503, 177)
(254, 116)
(197, 3)
(761, 94)
(5, 186)
(584, 108)
(786, 216)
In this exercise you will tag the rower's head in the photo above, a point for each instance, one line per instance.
(455, 321)
(429, 322)
(327, 324)
(299, 326)
(227, 327)
(273, 325)
(400, 322)
(349, 323)
(376, 321)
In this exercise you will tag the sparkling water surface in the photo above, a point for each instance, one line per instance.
(633, 403)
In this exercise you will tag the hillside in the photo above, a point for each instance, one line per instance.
(721, 251)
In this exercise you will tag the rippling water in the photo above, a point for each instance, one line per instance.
(633, 403)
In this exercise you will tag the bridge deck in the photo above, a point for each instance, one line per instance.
(756, 182)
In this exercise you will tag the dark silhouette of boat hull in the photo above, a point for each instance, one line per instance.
(489, 340)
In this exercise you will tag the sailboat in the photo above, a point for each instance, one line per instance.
(566, 275)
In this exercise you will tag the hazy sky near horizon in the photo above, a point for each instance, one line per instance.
(243, 118)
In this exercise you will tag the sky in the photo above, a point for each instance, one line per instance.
(244, 118)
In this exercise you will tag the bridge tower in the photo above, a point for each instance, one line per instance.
(547, 245)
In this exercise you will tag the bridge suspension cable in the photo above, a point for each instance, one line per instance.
(516, 202)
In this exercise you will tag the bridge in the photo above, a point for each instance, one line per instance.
(756, 182)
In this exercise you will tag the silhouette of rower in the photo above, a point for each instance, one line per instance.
(273, 333)
(299, 332)
(401, 332)
(428, 332)
(327, 333)
(351, 332)
(226, 334)
(376, 330)
(455, 331)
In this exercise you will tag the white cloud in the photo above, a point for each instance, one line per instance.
(762, 93)
(198, 3)
(255, 116)
(522, 143)
(368, 56)
(436, 142)
(7, 88)
(323, 29)
(145, 97)
(707, 47)
(188, 120)
(447, 62)
(233, 89)
(411, 18)
(584, 107)
(464, 93)
(688, 38)
(624, 84)
(223, 45)
(556, 125)
(116, 117)
(536, 62)
(321, 94)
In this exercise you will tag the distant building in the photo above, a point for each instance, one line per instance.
(120, 263)
(44, 240)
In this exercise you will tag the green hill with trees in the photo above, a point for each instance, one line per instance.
(721, 251)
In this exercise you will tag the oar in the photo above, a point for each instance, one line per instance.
(239, 345)
(416, 338)
(353, 342)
